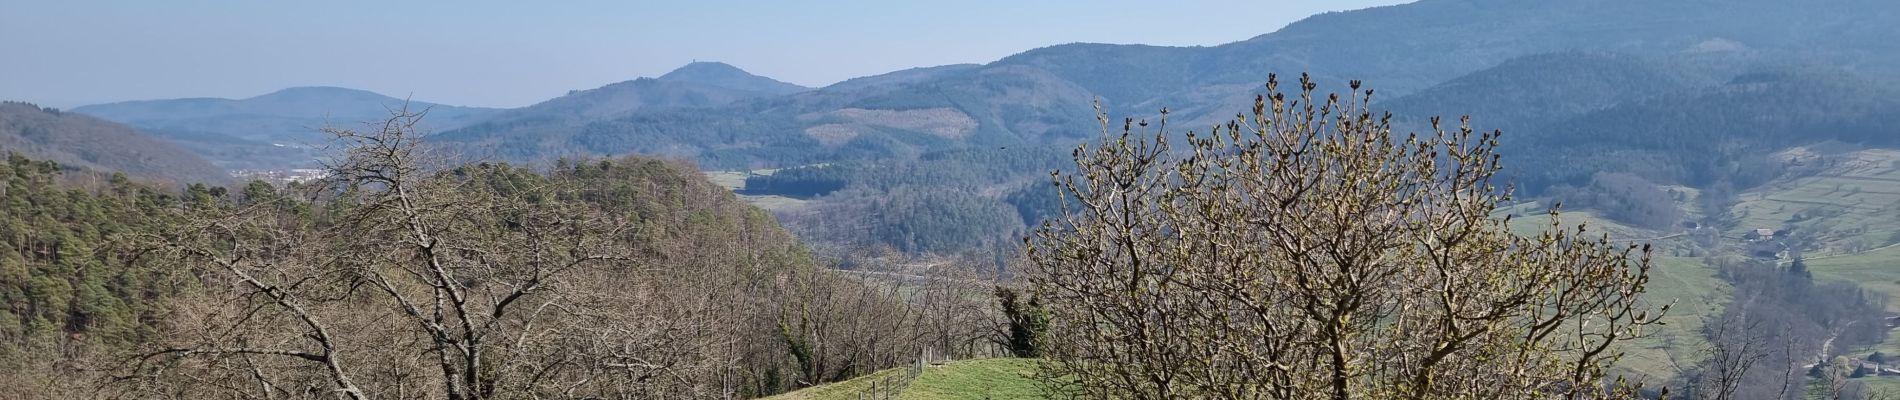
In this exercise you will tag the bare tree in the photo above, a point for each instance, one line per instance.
(491, 278)
(1304, 251)
(1736, 346)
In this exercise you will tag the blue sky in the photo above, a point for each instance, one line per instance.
(66, 53)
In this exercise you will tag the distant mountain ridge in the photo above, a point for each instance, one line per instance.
(693, 88)
(277, 129)
(696, 85)
(263, 116)
(725, 117)
(86, 142)
(1044, 96)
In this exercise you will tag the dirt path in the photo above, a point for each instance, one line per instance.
(1664, 237)
(1828, 344)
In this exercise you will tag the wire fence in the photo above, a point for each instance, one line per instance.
(890, 387)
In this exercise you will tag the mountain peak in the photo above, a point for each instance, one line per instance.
(705, 68)
(325, 92)
(727, 76)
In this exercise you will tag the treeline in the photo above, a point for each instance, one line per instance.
(724, 140)
(939, 202)
(1625, 198)
(593, 278)
(1782, 334)
(960, 168)
(910, 219)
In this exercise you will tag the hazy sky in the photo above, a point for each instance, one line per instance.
(66, 53)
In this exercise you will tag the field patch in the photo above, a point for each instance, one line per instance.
(735, 180)
(848, 123)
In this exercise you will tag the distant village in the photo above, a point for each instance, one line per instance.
(280, 176)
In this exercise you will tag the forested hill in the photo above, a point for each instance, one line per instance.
(1540, 89)
(1043, 95)
(288, 116)
(80, 141)
(272, 131)
(617, 263)
(70, 282)
(544, 130)
(1719, 133)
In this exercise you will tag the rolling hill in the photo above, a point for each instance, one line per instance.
(274, 130)
(696, 85)
(90, 143)
(549, 129)
(284, 115)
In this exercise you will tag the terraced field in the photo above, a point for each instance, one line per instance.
(1850, 212)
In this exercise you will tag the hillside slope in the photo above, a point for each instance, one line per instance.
(91, 143)
(80, 284)
(1720, 133)
(1539, 89)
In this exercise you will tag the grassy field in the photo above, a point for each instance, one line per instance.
(1694, 292)
(847, 390)
(996, 378)
(1877, 270)
(735, 180)
(1851, 210)
(1686, 283)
